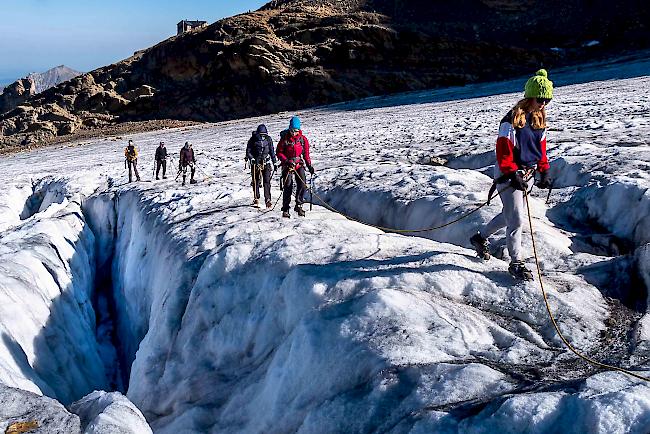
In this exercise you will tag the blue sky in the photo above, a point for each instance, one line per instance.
(36, 35)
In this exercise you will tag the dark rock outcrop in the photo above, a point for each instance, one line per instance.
(16, 94)
(298, 53)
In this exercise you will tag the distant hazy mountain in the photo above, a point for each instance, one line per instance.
(52, 77)
(47, 79)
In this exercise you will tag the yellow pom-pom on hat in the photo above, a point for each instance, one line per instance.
(539, 86)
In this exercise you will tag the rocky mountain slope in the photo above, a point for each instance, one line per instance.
(21, 90)
(300, 53)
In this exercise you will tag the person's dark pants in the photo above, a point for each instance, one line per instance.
(133, 163)
(184, 170)
(159, 164)
(288, 187)
(261, 176)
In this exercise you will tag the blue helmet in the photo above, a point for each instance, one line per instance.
(261, 129)
(294, 123)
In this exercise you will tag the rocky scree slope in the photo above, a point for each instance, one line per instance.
(301, 53)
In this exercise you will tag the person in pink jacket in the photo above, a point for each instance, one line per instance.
(293, 153)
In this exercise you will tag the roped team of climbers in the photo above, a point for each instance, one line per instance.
(520, 152)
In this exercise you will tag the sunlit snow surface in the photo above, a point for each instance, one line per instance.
(238, 320)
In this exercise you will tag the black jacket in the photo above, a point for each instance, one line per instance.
(259, 147)
(161, 153)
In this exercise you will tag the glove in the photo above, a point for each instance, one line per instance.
(311, 169)
(517, 181)
(545, 180)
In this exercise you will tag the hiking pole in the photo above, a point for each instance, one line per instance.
(550, 189)
(153, 174)
(311, 192)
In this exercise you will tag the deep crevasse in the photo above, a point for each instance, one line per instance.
(47, 319)
(251, 323)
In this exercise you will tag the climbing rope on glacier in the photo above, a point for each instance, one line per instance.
(398, 230)
(550, 313)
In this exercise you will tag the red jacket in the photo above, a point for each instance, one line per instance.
(291, 148)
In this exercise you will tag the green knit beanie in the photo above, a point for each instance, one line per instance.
(539, 86)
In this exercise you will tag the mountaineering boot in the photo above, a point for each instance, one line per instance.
(256, 202)
(193, 181)
(269, 205)
(183, 183)
(481, 245)
(157, 178)
(299, 210)
(285, 214)
(164, 177)
(519, 271)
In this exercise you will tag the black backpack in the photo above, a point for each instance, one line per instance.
(260, 148)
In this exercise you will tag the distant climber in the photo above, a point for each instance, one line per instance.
(161, 160)
(186, 159)
(260, 153)
(520, 150)
(293, 153)
(131, 155)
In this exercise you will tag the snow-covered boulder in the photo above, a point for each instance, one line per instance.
(109, 413)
